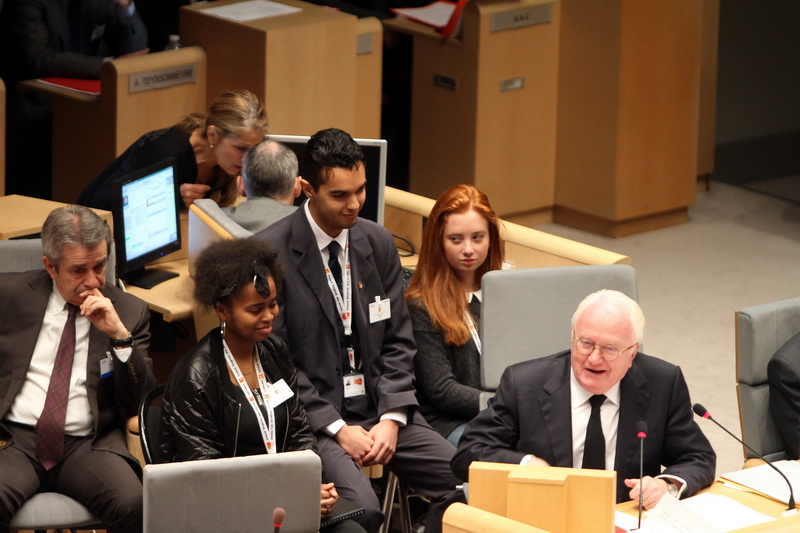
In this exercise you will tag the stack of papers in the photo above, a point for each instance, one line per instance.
(251, 10)
(764, 480)
(704, 513)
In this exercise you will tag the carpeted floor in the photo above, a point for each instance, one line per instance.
(740, 248)
(785, 187)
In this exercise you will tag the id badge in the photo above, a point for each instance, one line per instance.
(278, 393)
(354, 385)
(379, 310)
(106, 366)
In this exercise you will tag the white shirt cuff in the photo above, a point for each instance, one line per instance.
(123, 354)
(334, 427)
(398, 415)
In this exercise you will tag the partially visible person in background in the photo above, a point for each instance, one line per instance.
(47, 38)
(208, 149)
(784, 394)
(270, 183)
(461, 243)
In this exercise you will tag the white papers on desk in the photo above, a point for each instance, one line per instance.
(251, 10)
(436, 14)
(725, 513)
(704, 513)
(765, 480)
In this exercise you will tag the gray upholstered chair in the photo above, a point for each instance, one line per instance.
(207, 224)
(760, 331)
(51, 510)
(526, 313)
(45, 510)
(20, 255)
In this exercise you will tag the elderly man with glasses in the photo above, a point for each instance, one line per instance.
(581, 408)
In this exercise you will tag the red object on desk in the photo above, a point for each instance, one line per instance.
(76, 84)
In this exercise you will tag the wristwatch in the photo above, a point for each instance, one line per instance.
(673, 488)
(127, 342)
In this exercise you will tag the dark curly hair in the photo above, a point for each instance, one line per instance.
(224, 267)
(326, 150)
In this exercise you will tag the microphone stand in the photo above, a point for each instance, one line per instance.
(702, 412)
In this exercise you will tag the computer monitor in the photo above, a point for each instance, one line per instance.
(146, 222)
(375, 152)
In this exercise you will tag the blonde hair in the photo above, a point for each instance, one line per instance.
(234, 112)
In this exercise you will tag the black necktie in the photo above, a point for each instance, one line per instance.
(594, 450)
(333, 264)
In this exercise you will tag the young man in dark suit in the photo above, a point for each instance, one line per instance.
(348, 328)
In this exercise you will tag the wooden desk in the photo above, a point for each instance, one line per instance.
(307, 66)
(754, 501)
(21, 215)
(483, 111)
(172, 298)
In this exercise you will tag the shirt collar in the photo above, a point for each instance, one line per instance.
(477, 294)
(322, 238)
(579, 395)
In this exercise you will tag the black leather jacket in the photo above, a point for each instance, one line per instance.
(199, 419)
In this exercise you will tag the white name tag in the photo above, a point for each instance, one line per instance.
(106, 366)
(354, 385)
(278, 393)
(379, 310)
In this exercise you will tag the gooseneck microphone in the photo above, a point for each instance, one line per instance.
(641, 434)
(278, 515)
(701, 411)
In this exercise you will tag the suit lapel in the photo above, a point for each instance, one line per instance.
(556, 411)
(31, 320)
(361, 271)
(309, 264)
(634, 399)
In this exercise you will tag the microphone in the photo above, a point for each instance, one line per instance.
(701, 411)
(641, 434)
(278, 515)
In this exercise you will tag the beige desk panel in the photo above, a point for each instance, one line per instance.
(22, 215)
(172, 298)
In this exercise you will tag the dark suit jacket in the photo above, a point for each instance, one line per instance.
(309, 322)
(531, 414)
(38, 37)
(112, 399)
(784, 394)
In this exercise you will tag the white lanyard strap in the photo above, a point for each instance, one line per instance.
(267, 429)
(473, 331)
(344, 303)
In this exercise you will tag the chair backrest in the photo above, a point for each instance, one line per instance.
(149, 420)
(20, 255)
(233, 494)
(760, 331)
(526, 313)
(207, 224)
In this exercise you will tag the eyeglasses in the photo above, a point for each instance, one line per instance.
(609, 353)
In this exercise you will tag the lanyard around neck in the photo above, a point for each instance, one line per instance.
(344, 302)
(267, 428)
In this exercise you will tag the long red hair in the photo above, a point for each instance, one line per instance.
(434, 283)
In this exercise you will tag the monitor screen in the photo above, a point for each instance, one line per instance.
(375, 152)
(146, 222)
